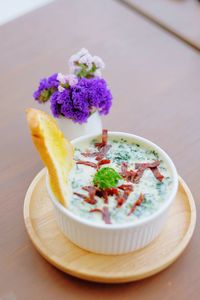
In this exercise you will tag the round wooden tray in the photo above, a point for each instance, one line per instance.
(60, 252)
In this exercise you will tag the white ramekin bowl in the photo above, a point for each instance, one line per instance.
(115, 239)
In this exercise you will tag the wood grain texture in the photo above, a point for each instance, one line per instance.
(155, 84)
(58, 250)
(181, 18)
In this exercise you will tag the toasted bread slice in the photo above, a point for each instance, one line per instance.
(55, 151)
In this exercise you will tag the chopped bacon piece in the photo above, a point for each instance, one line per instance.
(105, 214)
(103, 151)
(105, 196)
(131, 176)
(92, 164)
(120, 201)
(87, 163)
(104, 139)
(103, 162)
(135, 176)
(109, 192)
(86, 199)
(99, 193)
(89, 154)
(98, 155)
(92, 192)
(90, 188)
(112, 191)
(139, 174)
(124, 167)
(127, 190)
(141, 167)
(96, 210)
(104, 193)
(157, 174)
(128, 175)
(126, 187)
(137, 203)
(148, 165)
(126, 194)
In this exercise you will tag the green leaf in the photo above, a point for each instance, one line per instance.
(86, 73)
(45, 95)
(106, 178)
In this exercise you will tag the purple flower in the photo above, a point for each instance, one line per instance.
(70, 104)
(46, 87)
(98, 94)
(52, 81)
(55, 105)
(104, 96)
(77, 102)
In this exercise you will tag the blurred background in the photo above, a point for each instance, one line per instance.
(152, 53)
(11, 9)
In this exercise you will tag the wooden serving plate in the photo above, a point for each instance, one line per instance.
(63, 254)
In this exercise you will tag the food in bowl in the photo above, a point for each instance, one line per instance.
(117, 180)
(111, 196)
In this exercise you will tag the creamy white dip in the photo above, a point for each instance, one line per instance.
(155, 192)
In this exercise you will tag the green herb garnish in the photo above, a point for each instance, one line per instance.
(106, 178)
(121, 156)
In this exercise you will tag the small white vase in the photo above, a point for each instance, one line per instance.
(73, 130)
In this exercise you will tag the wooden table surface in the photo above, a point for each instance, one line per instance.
(181, 18)
(155, 83)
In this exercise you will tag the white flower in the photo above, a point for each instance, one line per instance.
(76, 57)
(86, 60)
(83, 57)
(61, 78)
(74, 69)
(98, 73)
(61, 89)
(72, 79)
(82, 52)
(72, 66)
(73, 58)
(98, 62)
